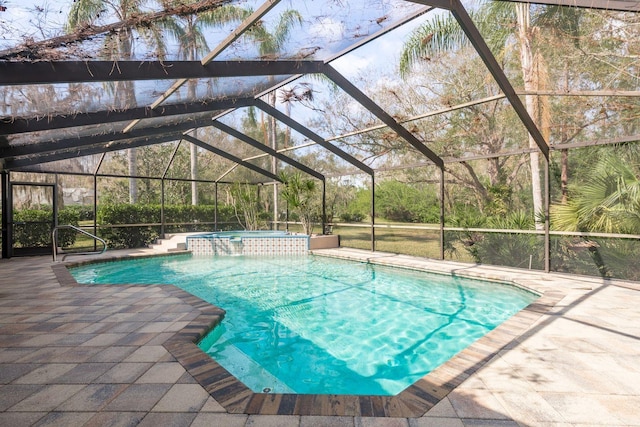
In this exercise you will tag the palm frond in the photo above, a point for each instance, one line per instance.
(609, 201)
(495, 20)
(83, 12)
(441, 34)
(560, 19)
(288, 20)
(224, 14)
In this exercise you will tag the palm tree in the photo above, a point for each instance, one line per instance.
(299, 193)
(269, 45)
(117, 46)
(188, 30)
(443, 34)
(193, 45)
(608, 201)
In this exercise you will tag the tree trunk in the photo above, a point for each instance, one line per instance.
(287, 130)
(132, 160)
(564, 175)
(564, 160)
(125, 97)
(194, 170)
(530, 84)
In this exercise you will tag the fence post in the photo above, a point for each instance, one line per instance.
(442, 213)
(373, 213)
(6, 200)
(162, 216)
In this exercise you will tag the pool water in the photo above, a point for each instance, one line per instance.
(316, 325)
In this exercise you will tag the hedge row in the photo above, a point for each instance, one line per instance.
(32, 227)
(139, 236)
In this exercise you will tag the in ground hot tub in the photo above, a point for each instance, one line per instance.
(248, 243)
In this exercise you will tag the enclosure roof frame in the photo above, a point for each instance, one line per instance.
(54, 72)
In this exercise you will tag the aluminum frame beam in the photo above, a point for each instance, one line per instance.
(76, 142)
(268, 109)
(380, 113)
(266, 149)
(12, 164)
(14, 125)
(231, 157)
(481, 47)
(422, 116)
(28, 73)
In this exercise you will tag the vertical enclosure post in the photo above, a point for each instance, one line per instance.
(373, 213)
(215, 207)
(162, 208)
(95, 200)
(54, 200)
(6, 200)
(55, 204)
(324, 206)
(547, 201)
(95, 210)
(442, 213)
(164, 175)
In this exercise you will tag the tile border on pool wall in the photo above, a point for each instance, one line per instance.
(414, 401)
(211, 245)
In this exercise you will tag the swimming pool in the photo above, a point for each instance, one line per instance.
(314, 325)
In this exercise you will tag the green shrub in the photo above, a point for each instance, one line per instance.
(67, 216)
(136, 236)
(128, 237)
(83, 212)
(352, 217)
(514, 250)
(32, 227)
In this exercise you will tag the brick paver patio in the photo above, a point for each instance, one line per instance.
(106, 356)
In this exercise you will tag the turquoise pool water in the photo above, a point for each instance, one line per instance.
(316, 325)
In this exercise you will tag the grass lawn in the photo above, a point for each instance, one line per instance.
(416, 242)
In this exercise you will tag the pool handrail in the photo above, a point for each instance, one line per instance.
(54, 239)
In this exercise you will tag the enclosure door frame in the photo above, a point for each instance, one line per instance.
(10, 250)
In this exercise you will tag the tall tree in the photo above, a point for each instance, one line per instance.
(188, 30)
(270, 44)
(444, 34)
(118, 46)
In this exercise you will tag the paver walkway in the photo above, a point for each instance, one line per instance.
(96, 356)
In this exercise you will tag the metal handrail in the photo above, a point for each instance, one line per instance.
(54, 239)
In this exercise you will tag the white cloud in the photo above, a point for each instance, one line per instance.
(353, 64)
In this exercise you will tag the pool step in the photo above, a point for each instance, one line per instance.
(172, 242)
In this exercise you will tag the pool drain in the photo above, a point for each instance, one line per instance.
(266, 390)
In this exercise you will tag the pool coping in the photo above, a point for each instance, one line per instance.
(412, 402)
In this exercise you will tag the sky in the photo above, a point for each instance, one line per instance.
(38, 19)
